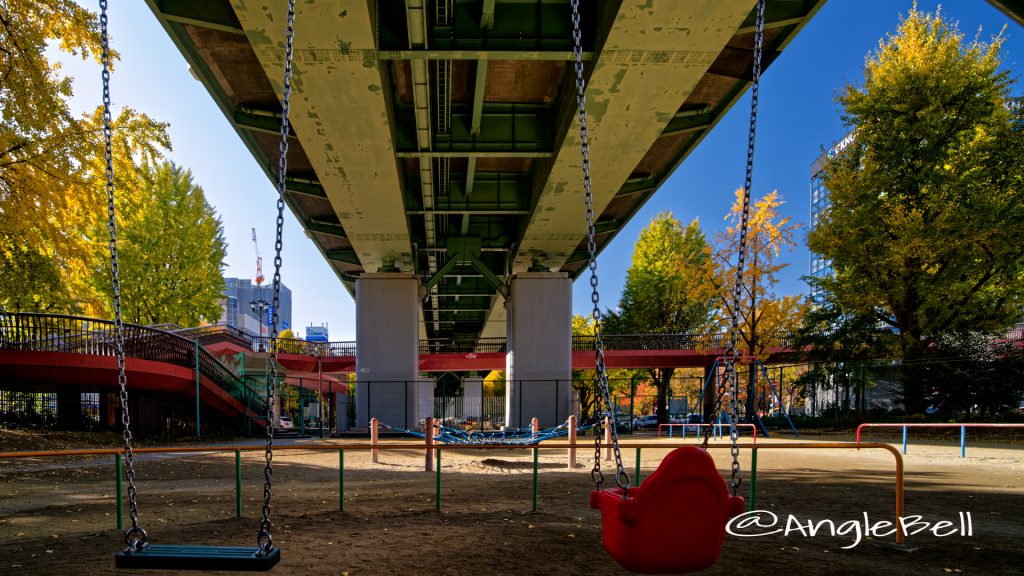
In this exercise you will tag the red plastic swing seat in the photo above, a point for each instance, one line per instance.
(674, 521)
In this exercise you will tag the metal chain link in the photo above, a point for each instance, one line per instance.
(731, 378)
(135, 538)
(621, 477)
(265, 540)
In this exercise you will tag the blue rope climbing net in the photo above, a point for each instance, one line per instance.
(509, 436)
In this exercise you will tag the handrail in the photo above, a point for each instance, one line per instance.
(31, 331)
(698, 426)
(341, 448)
(962, 426)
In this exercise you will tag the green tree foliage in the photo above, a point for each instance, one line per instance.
(765, 318)
(584, 382)
(51, 166)
(172, 251)
(667, 289)
(970, 376)
(927, 215)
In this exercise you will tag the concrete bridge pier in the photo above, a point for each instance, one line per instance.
(538, 364)
(387, 356)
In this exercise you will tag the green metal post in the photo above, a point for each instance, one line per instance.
(437, 494)
(198, 427)
(119, 491)
(341, 479)
(753, 479)
(245, 396)
(637, 478)
(238, 483)
(535, 452)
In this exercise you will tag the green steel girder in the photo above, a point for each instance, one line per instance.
(214, 15)
(510, 26)
(544, 55)
(495, 151)
(602, 226)
(686, 123)
(487, 15)
(482, 211)
(502, 130)
(1012, 8)
(637, 185)
(305, 187)
(347, 256)
(268, 122)
(779, 13)
(505, 190)
(331, 228)
(465, 250)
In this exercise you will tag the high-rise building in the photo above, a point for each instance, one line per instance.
(247, 306)
(821, 267)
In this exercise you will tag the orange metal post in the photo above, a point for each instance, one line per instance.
(572, 440)
(607, 438)
(428, 438)
(374, 437)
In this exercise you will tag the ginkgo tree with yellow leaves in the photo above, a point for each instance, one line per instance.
(53, 207)
(927, 201)
(765, 318)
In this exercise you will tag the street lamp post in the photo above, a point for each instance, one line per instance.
(259, 308)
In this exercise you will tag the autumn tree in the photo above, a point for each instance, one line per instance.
(927, 215)
(51, 166)
(584, 382)
(765, 318)
(667, 290)
(172, 252)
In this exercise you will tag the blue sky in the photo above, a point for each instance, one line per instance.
(797, 117)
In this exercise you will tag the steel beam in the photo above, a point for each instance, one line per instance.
(305, 187)
(325, 228)
(548, 55)
(470, 212)
(347, 256)
(214, 15)
(777, 13)
(268, 122)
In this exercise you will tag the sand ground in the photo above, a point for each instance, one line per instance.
(58, 516)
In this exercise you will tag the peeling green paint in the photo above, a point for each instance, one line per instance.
(617, 81)
(598, 108)
(258, 38)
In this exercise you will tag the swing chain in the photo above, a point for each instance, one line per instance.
(134, 537)
(621, 477)
(732, 354)
(265, 540)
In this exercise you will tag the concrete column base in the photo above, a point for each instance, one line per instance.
(538, 371)
(387, 357)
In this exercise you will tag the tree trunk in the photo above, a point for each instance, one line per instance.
(914, 401)
(662, 380)
(751, 404)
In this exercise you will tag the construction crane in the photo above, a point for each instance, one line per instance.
(259, 260)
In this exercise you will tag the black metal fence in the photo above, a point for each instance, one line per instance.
(75, 334)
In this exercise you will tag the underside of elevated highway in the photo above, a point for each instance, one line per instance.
(440, 137)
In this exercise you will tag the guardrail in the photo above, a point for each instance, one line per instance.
(717, 428)
(75, 334)
(437, 449)
(963, 430)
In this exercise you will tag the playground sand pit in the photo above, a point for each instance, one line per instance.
(57, 516)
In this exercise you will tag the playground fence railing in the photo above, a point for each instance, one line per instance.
(716, 427)
(437, 449)
(963, 429)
